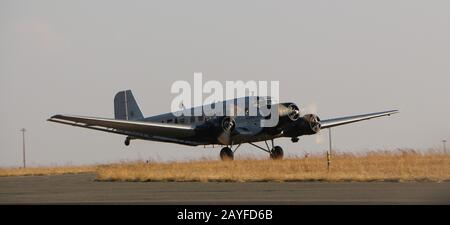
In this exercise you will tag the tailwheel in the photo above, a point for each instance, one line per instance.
(127, 141)
(276, 153)
(226, 154)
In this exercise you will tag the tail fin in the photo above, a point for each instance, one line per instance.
(125, 107)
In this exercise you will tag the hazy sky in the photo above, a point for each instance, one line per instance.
(344, 57)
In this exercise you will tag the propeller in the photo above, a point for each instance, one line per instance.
(309, 109)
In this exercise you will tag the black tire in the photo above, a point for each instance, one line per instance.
(226, 154)
(127, 142)
(276, 153)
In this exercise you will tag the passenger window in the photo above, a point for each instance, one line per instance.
(192, 119)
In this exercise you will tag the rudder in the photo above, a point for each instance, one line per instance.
(126, 107)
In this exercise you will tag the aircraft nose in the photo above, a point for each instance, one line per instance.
(290, 110)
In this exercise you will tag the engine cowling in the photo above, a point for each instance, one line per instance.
(225, 128)
(228, 124)
(314, 123)
(288, 111)
(307, 125)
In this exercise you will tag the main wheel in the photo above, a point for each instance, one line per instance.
(276, 153)
(226, 154)
(127, 141)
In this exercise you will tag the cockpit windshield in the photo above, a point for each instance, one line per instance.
(263, 102)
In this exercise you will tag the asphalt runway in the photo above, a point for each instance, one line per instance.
(81, 188)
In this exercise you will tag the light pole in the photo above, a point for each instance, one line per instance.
(329, 137)
(329, 152)
(444, 142)
(23, 146)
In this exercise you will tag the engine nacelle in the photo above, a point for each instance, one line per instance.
(314, 123)
(225, 126)
(307, 125)
(228, 124)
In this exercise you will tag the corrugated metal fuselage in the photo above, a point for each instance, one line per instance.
(248, 128)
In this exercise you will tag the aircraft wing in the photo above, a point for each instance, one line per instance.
(352, 119)
(138, 129)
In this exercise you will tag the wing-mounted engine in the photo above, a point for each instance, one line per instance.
(307, 125)
(224, 129)
(288, 114)
(313, 123)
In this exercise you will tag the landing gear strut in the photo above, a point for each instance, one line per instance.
(276, 152)
(226, 154)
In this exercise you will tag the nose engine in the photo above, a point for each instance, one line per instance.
(289, 111)
(294, 112)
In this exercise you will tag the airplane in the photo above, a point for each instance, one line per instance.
(206, 129)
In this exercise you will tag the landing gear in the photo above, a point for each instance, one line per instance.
(226, 154)
(127, 141)
(276, 153)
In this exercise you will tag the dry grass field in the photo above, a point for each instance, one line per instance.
(375, 166)
(40, 171)
(398, 166)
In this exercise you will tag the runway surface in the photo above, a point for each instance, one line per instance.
(81, 188)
